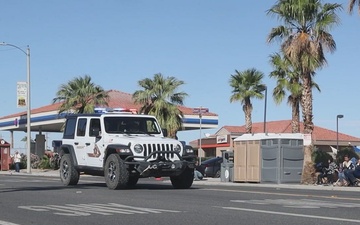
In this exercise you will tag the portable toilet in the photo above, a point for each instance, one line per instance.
(268, 157)
(5, 157)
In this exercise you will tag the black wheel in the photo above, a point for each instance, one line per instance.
(217, 174)
(116, 173)
(68, 174)
(132, 181)
(184, 180)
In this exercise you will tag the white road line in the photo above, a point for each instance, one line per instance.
(7, 223)
(282, 194)
(94, 208)
(116, 210)
(293, 214)
(150, 210)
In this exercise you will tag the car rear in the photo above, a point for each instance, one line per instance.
(211, 167)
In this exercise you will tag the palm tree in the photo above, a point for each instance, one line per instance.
(160, 98)
(304, 35)
(247, 85)
(288, 80)
(352, 3)
(24, 139)
(81, 95)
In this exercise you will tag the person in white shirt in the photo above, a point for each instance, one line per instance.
(346, 165)
(17, 160)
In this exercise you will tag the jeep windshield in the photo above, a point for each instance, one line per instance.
(131, 125)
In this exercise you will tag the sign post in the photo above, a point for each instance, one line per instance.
(200, 110)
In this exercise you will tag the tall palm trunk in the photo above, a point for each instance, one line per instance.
(248, 121)
(172, 134)
(306, 103)
(295, 114)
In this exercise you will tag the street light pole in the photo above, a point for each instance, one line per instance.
(28, 118)
(265, 109)
(337, 130)
(200, 149)
(200, 111)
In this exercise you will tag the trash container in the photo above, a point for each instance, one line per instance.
(227, 167)
(227, 172)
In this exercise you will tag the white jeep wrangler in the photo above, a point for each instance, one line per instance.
(123, 147)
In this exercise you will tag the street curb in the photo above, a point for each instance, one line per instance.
(205, 182)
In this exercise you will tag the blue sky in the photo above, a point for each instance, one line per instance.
(201, 42)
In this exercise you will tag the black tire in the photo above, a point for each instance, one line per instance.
(132, 181)
(184, 180)
(68, 174)
(116, 173)
(217, 174)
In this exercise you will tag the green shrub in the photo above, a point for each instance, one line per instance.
(44, 162)
(319, 156)
(347, 151)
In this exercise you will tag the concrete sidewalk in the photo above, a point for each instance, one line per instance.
(34, 172)
(206, 181)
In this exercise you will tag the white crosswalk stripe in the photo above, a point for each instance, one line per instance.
(95, 208)
(7, 223)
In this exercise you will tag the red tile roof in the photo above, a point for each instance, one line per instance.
(117, 99)
(284, 126)
(121, 99)
(47, 108)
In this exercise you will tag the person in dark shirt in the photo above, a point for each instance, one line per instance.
(354, 175)
(327, 172)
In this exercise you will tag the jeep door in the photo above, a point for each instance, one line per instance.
(80, 140)
(94, 153)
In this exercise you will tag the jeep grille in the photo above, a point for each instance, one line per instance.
(163, 148)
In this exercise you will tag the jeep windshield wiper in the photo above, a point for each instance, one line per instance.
(143, 132)
(116, 132)
(137, 132)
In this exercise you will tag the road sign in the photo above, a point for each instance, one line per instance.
(21, 94)
(200, 110)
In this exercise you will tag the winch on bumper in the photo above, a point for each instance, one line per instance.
(161, 167)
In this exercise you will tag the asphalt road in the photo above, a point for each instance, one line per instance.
(44, 200)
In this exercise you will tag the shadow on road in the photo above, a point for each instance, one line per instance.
(147, 185)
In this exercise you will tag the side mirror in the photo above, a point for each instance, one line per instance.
(165, 132)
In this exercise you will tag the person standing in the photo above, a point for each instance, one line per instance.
(17, 160)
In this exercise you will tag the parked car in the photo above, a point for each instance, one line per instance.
(211, 167)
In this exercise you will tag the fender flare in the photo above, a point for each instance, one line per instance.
(69, 149)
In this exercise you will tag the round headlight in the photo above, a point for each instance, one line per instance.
(177, 148)
(138, 148)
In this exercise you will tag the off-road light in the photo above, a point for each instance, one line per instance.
(189, 151)
(123, 150)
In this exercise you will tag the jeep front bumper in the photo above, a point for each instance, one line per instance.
(161, 167)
